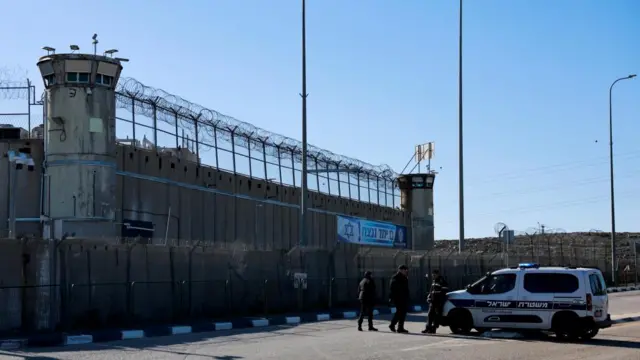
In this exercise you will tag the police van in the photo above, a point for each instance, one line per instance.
(568, 301)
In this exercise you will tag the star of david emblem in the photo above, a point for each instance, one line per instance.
(348, 231)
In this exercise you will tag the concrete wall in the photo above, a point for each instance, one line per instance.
(202, 209)
(28, 187)
(97, 284)
(199, 201)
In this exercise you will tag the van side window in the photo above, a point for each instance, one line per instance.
(545, 283)
(494, 284)
(596, 286)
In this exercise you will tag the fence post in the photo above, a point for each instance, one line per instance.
(131, 300)
(266, 297)
(331, 292)
(227, 296)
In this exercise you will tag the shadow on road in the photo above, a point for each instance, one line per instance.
(25, 357)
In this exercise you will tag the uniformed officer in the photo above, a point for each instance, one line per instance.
(367, 297)
(436, 299)
(399, 296)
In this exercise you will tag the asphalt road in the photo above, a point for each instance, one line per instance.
(624, 303)
(340, 340)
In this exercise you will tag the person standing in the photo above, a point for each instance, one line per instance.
(399, 296)
(436, 299)
(367, 297)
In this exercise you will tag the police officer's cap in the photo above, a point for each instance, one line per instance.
(403, 267)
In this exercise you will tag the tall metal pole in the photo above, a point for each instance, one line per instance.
(613, 206)
(460, 148)
(303, 194)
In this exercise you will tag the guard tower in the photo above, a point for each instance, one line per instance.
(80, 143)
(416, 196)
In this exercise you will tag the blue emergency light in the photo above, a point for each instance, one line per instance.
(528, 266)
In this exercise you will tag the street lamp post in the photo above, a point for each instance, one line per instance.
(303, 193)
(460, 148)
(613, 207)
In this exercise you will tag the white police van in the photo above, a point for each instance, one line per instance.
(568, 301)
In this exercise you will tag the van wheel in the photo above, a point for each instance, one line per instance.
(589, 334)
(461, 322)
(564, 326)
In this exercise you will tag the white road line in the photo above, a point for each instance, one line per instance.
(430, 345)
(451, 343)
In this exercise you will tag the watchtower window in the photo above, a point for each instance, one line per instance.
(78, 77)
(49, 80)
(104, 79)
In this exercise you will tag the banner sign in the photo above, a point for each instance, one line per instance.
(372, 233)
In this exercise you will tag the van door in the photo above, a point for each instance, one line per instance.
(535, 300)
(599, 297)
(495, 300)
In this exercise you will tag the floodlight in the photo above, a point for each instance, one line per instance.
(122, 59)
(111, 52)
(49, 49)
(74, 47)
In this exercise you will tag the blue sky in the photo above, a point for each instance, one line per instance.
(382, 77)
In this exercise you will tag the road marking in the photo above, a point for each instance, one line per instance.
(449, 344)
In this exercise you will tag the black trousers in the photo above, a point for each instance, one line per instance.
(366, 309)
(400, 316)
(433, 317)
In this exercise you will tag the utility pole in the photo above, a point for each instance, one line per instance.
(460, 148)
(303, 193)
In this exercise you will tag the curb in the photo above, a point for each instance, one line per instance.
(623, 289)
(100, 336)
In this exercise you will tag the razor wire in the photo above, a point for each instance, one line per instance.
(210, 125)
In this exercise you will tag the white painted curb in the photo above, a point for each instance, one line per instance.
(259, 322)
(132, 334)
(502, 335)
(323, 317)
(179, 330)
(12, 344)
(78, 339)
(223, 326)
(349, 314)
(292, 320)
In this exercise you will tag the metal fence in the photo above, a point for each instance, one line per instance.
(19, 99)
(153, 118)
(149, 117)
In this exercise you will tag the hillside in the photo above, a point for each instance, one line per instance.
(578, 244)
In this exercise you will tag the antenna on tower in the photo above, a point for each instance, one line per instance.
(95, 44)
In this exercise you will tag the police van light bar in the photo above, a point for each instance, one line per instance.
(528, 266)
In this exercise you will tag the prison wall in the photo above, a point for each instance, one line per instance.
(28, 188)
(199, 205)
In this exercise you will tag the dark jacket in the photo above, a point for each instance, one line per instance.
(438, 293)
(367, 291)
(399, 289)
